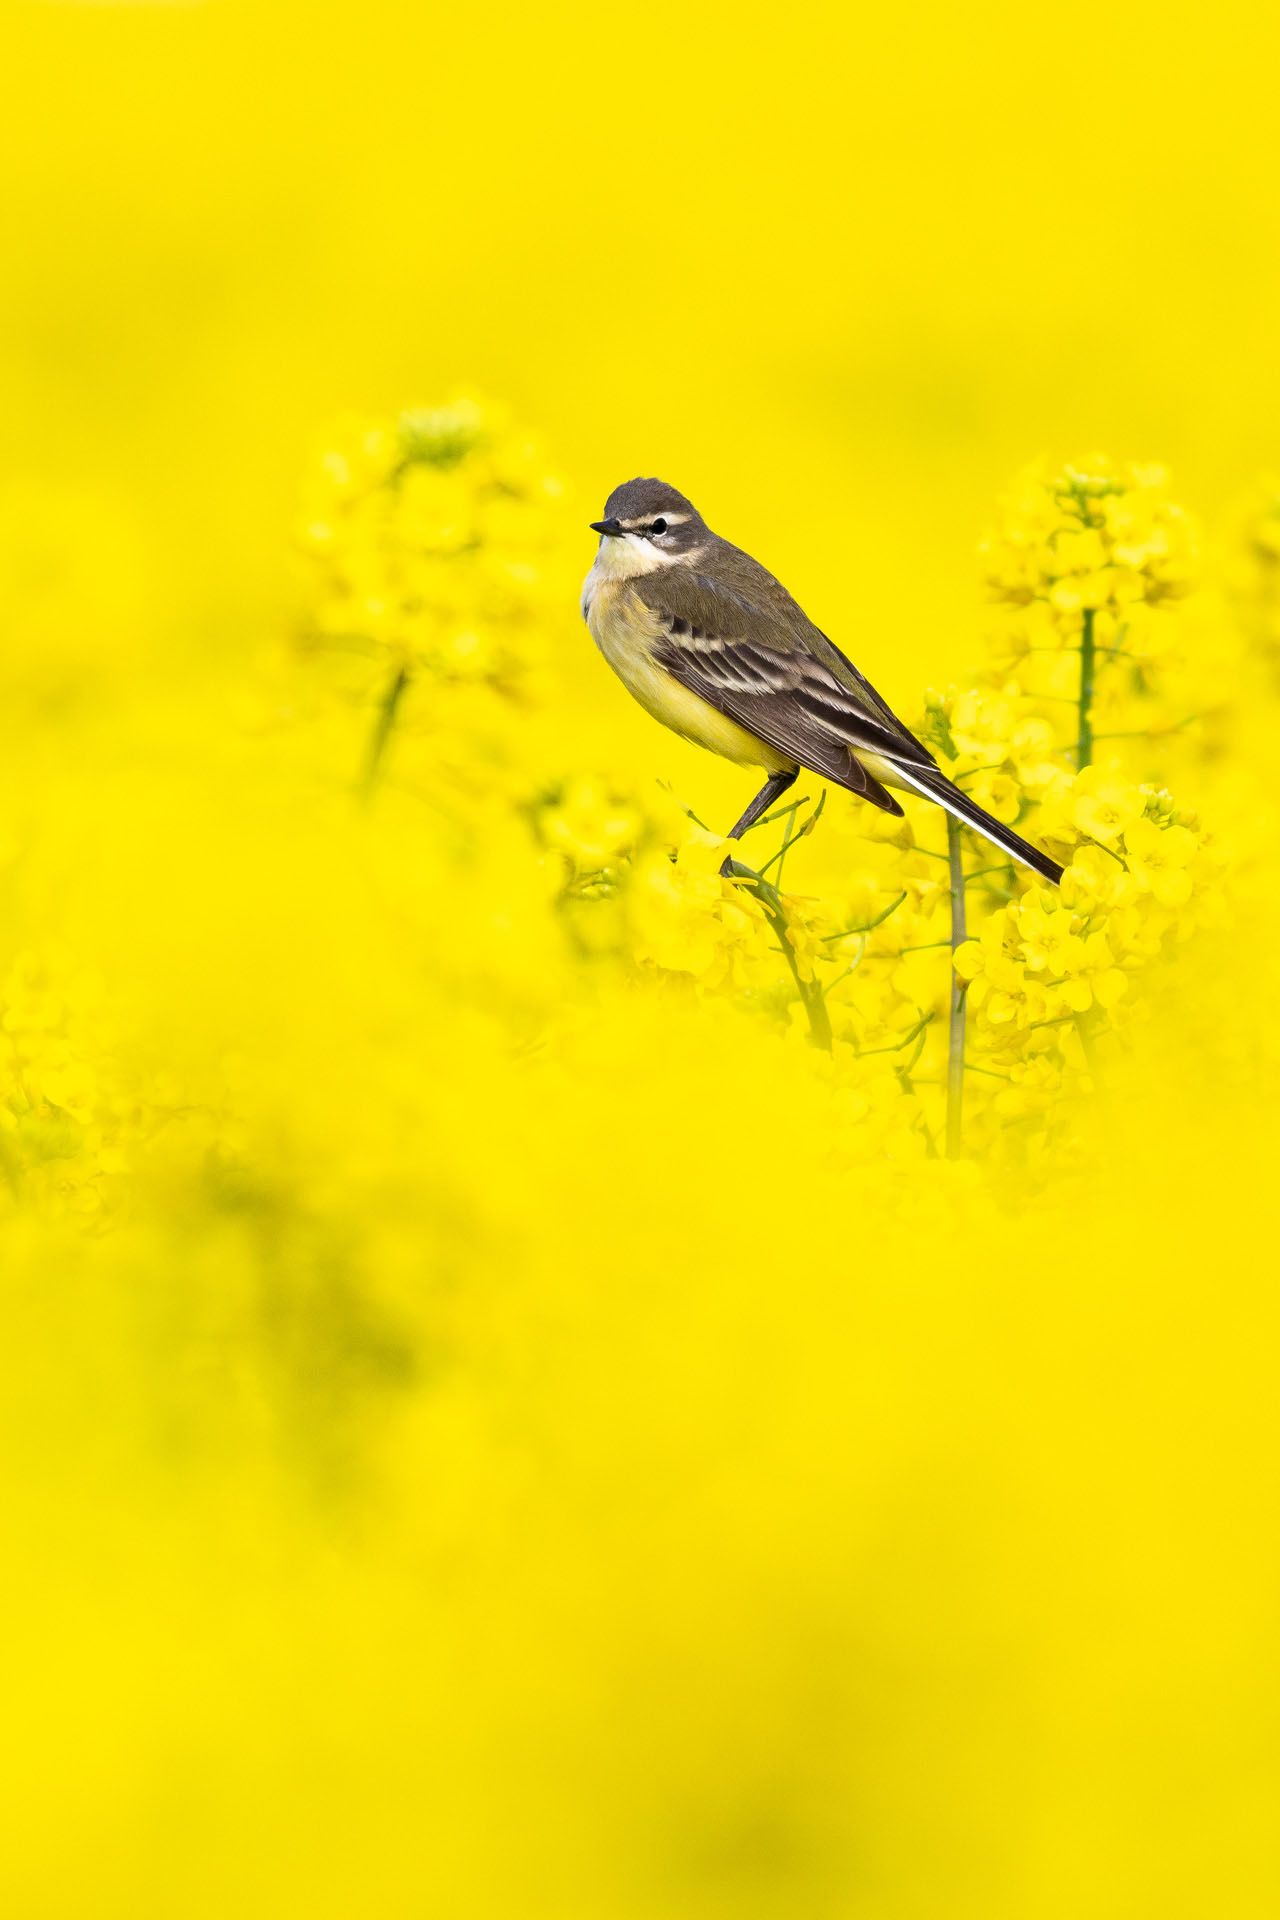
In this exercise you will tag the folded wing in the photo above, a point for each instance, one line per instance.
(767, 668)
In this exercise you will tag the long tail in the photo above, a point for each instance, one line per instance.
(936, 787)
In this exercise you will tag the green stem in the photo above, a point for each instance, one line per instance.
(955, 1044)
(1084, 733)
(781, 855)
(383, 726)
(781, 813)
(865, 1053)
(811, 994)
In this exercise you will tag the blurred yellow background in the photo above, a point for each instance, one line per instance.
(522, 1491)
(836, 272)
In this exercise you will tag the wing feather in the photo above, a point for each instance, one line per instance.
(767, 667)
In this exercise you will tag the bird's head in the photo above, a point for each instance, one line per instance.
(647, 525)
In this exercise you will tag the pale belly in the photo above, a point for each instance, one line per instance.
(624, 629)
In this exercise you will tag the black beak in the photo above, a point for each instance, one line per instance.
(611, 527)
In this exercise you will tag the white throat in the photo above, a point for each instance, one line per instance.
(624, 556)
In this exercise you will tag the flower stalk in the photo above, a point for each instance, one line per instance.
(383, 728)
(1084, 728)
(812, 997)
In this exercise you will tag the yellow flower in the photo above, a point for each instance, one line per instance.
(1096, 879)
(1097, 979)
(987, 958)
(1158, 859)
(807, 926)
(1048, 937)
(1105, 804)
(670, 913)
(1093, 536)
(589, 823)
(685, 918)
(1000, 793)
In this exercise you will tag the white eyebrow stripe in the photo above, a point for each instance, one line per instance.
(672, 520)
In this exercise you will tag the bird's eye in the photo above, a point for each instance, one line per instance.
(659, 526)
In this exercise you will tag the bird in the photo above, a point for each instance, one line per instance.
(712, 645)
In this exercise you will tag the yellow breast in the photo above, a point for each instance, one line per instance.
(625, 631)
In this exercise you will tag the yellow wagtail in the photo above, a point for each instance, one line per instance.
(714, 647)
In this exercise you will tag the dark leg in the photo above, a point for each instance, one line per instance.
(773, 789)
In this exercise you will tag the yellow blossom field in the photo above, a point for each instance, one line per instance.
(540, 1378)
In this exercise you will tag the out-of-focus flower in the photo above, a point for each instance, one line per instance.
(1096, 536)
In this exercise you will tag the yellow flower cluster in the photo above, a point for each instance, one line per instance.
(1068, 734)
(1096, 538)
(428, 541)
(1051, 970)
(429, 535)
(1090, 566)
